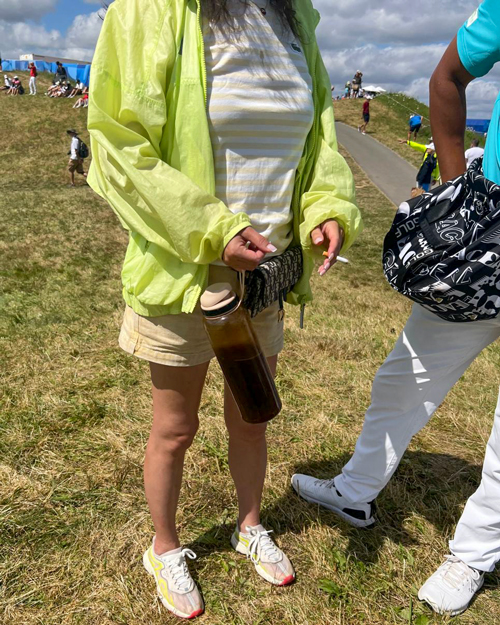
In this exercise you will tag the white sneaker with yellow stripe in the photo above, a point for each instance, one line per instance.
(175, 586)
(269, 561)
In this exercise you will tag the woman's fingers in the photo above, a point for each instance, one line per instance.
(258, 241)
(334, 239)
(317, 236)
(246, 250)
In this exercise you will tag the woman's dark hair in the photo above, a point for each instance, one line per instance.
(217, 11)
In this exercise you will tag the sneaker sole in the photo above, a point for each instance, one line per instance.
(439, 610)
(170, 608)
(236, 545)
(369, 524)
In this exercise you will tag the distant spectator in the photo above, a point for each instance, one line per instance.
(356, 84)
(77, 89)
(82, 102)
(55, 87)
(65, 90)
(61, 73)
(347, 90)
(61, 90)
(473, 152)
(75, 160)
(415, 124)
(366, 116)
(7, 84)
(33, 75)
(17, 87)
(429, 169)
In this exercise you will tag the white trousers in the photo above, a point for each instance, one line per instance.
(429, 358)
(33, 85)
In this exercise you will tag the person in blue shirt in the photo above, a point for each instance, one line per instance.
(414, 126)
(430, 356)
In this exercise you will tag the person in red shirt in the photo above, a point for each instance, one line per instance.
(33, 75)
(366, 116)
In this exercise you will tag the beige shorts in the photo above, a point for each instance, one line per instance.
(75, 165)
(181, 340)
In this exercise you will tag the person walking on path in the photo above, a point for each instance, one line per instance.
(414, 126)
(429, 168)
(75, 158)
(430, 356)
(366, 116)
(211, 172)
(33, 75)
(473, 152)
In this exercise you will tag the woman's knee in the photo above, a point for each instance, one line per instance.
(174, 438)
(247, 432)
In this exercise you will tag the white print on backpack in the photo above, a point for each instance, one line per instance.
(443, 250)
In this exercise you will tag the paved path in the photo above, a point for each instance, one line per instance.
(390, 172)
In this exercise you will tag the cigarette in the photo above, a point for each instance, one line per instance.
(340, 259)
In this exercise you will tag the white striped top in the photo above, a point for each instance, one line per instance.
(260, 111)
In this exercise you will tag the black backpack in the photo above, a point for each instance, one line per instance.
(83, 150)
(443, 249)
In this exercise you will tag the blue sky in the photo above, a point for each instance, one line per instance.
(65, 12)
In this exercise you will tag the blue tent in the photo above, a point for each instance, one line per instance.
(75, 72)
(478, 125)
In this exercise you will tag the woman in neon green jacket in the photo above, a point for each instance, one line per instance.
(213, 140)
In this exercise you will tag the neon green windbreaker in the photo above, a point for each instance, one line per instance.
(420, 147)
(153, 159)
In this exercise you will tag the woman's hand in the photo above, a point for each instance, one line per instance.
(331, 236)
(246, 250)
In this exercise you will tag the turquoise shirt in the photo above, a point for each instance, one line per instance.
(478, 44)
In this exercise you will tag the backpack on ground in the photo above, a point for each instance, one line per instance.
(443, 249)
(83, 150)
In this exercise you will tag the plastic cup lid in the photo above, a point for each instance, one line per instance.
(218, 297)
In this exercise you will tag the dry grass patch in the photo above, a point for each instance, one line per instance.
(76, 414)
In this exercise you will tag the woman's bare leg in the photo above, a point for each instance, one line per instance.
(247, 458)
(176, 399)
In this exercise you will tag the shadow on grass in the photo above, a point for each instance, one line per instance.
(428, 485)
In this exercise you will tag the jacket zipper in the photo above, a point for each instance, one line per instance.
(315, 140)
(203, 59)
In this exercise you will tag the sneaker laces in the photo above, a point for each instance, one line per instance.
(179, 572)
(261, 545)
(325, 483)
(454, 572)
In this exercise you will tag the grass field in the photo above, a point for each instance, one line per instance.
(75, 415)
(389, 114)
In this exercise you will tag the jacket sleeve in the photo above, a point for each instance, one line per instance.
(419, 147)
(331, 192)
(131, 72)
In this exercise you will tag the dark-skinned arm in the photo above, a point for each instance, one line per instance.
(448, 107)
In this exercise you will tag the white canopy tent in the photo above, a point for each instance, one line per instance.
(374, 89)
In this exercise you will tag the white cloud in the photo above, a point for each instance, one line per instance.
(396, 44)
(17, 10)
(78, 43)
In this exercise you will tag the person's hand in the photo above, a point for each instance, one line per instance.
(330, 236)
(402, 141)
(246, 250)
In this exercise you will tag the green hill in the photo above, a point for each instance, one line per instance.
(75, 414)
(389, 121)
